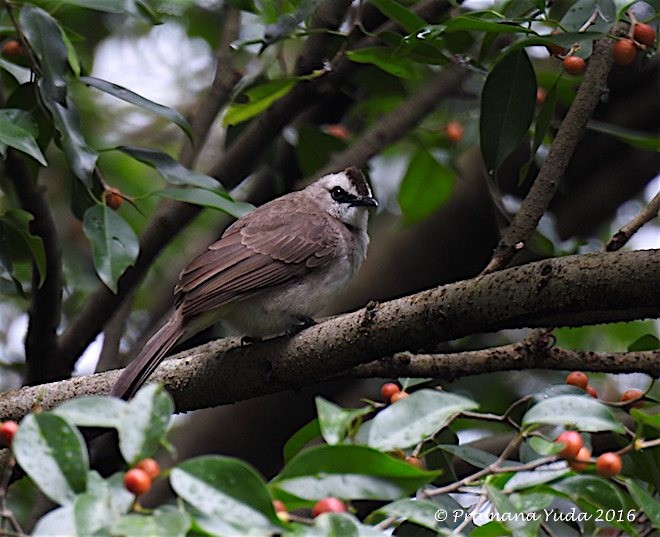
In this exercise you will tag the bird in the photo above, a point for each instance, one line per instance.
(269, 272)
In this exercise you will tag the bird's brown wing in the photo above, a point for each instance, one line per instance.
(269, 247)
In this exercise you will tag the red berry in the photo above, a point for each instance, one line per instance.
(137, 481)
(279, 506)
(624, 52)
(633, 395)
(541, 94)
(609, 464)
(644, 34)
(338, 130)
(7, 431)
(150, 467)
(574, 65)
(388, 389)
(577, 378)
(556, 50)
(12, 49)
(454, 131)
(328, 505)
(415, 461)
(580, 462)
(572, 444)
(113, 198)
(592, 392)
(398, 396)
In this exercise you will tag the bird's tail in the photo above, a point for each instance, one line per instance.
(144, 364)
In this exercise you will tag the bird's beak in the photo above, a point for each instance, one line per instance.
(365, 201)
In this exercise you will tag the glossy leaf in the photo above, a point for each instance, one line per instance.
(335, 421)
(15, 136)
(135, 8)
(335, 525)
(21, 74)
(581, 11)
(227, 490)
(413, 419)
(53, 454)
(171, 170)
(93, 411)
(165, 520)
(409, 20)
(143, 428)
(544, 474)
(472, 23)
(15, 224)
(301, 438)
(133, 98)
(420, 512)
(476, 457)
(386, 60)
(207, 198)
(508, 101)
(640, 140)
(580, 412)
(347, 471)
(45, 37)
(644, 500)
(259, 99)
(114, 244)
(425, 187)
(647, 342)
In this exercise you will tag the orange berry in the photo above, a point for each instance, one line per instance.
(12, 48)
(454, 131)
(556, 50)
(624, 52)
(388, 389)
(397, 454)
(633, 395)
(572, 444)
(113, 198)
(541, 94)
(338, 130)
(580, 462)
(609, 464)
(415, 461)
(150, 467)
(8, 430)
(398, 396)
(644, 34)
(592, 392)
(574, 65)
(137, 481)
(328, 505)
(577, 378)
(279, 506)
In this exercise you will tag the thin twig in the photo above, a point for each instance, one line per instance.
(624, 234)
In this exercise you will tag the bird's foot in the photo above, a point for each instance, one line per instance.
(249, 340)
(303, 322)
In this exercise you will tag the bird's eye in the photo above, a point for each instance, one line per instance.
(338, 194)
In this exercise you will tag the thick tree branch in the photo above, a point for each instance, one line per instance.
(568, 291)
(546, 183)
(42, 353)
(622, 236)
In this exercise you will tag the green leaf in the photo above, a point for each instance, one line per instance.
(426, 186)
(334, 421)
(45, 38)
(19, 138)
(543, 446)
(229, 491)
(647, 342)
(643, 417)
(81, 158)
(135, 8)
(413, 419)
(580, 12)
(346, 471)
(60, 521)
(259, 99)
(15, 224)
(166, 521)
(300, 439)
(114, 244)
(143, 428)
(472, 23)
(476, 457)
(21, 74)
(420, 512)
(644, 501)
(53, 454)
(336, 525)
(315, 148)
(594, 489)
(207, 198)
(93, 411)
(171, 170)
(409, 20)
(543, 120)
(508, 101)
(133, 98)
(385, 59)
(640, 140)
(543, 474)
(581, 412)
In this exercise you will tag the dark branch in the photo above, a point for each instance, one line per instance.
(622, 236)
(42, 354)
(568, 291)
(571, 131)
